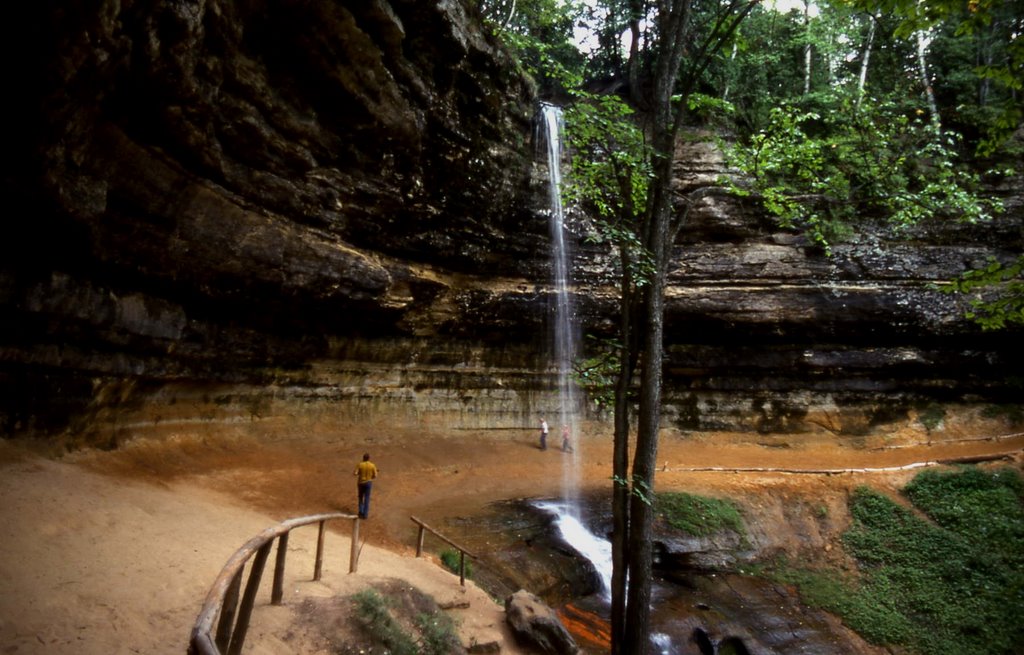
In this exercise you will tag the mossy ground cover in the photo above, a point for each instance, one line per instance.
(947, 579)
(699, 516)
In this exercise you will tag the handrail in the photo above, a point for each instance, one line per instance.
(462, 551)
(222, 600)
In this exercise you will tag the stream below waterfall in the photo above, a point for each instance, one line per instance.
(520, 546)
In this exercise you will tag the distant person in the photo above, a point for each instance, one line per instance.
(566, 441)
(543, 434)
(365, 473)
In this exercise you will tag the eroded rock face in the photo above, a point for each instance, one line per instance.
(281, 209)
(210, 188)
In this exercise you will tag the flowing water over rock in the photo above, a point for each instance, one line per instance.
(525, 544)
(594, 549)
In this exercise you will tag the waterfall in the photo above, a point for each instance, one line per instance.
(564, 332)
(595, 549)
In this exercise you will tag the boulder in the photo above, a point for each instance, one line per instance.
(536, 625)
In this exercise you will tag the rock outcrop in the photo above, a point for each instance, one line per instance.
(241, 212)
(537, 625)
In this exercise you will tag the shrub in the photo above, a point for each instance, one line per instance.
(437, 634)
(450, 559)
(434, 632)
(373, 612)
(931, 417)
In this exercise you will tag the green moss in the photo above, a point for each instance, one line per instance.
(1014, 413)
(931, 416)
(699, 516)
(948, 580)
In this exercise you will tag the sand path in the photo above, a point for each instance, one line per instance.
(114, 552)
(91, 564)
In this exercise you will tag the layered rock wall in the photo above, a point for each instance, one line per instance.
(293, 217)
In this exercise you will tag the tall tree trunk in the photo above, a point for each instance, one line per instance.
(636, 10)
(922, 69)
(641, 511)
(807, 47)
(984, 58)
(923, 41)
(621, 519)
(728, 85)
(866, 58)
(620, 461)
(673, 25)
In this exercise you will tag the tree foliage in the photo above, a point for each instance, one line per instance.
(541, 33)
(827, 172)
(996, 293)
(611, 174)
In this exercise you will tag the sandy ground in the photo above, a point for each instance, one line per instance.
(115, 552)
(94, 564)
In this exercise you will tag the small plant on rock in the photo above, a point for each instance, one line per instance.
(450, 559)
(373, 612)
(398, 627)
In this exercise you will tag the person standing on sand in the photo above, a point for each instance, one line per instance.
(566, 441)
(365, 473)
(543, 434)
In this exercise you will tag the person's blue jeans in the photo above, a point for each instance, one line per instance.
(364, 499)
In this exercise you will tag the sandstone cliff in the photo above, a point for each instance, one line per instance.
(309, 214)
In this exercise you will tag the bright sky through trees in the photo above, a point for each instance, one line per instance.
(586, 40)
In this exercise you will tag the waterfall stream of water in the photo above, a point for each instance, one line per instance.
(564, 330)
(595, 549)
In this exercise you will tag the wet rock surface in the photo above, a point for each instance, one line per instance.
(762, 617)
(520, 548)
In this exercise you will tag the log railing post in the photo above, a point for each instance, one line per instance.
(319, 565)
(462, 551)
(227, 613)
(353, 562)
(223, 621)
(249, 599)
(277, 592)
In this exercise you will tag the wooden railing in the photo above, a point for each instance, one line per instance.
(462, 551)
(222, 602)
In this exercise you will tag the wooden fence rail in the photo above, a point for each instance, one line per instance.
(222, 602)
(462, 551)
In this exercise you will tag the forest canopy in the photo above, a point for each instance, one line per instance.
(957, 64)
